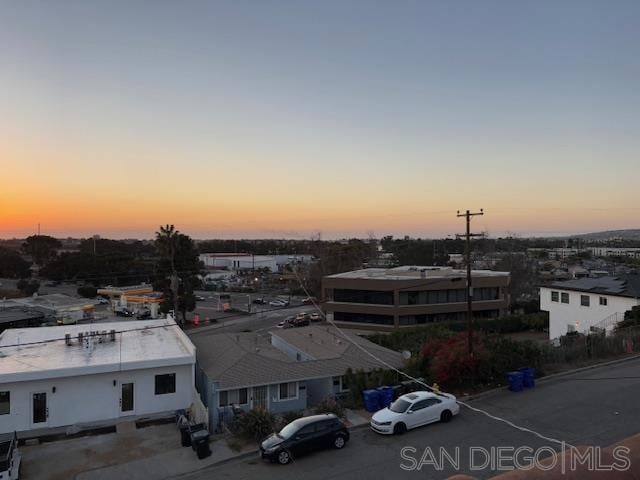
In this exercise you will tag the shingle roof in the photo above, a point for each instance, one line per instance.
(619, 285)
(244, 359)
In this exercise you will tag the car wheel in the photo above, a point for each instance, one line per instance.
(445, 416)
(339, 442)
(399, 428)
(284, 457)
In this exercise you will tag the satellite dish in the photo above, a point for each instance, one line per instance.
(406, 354)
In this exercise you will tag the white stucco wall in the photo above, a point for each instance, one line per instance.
(582, 318)
(94, 398)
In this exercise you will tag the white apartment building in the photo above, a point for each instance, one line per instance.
(615, 252)
(53, 377)
(577, 305)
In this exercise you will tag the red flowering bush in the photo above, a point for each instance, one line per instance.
(448, 362)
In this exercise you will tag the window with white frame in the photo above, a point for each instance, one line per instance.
(555, 296)
(233, 397)
(564, 297)
(603, 301)
(341, 383)
(288, 391)
(584, 300)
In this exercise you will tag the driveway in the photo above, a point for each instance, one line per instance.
(596, 407)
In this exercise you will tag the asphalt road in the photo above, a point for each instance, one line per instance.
(264, 319)
(596, 407)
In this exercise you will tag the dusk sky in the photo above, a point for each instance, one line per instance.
(283, 118)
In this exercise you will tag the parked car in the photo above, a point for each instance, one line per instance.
(305, 435)
(199, 298)
(123, 312)
(103, 301)
(315, 317)
(288, 323)
(309, 301)
(10, 457)
(144, 314)
(278, 303)
(414, 410)
(301, 322)
(302, 315)
(259, 301)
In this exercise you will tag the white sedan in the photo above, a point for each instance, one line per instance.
(278, 303)
(414, 410)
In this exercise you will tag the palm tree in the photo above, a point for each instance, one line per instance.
(167, 243)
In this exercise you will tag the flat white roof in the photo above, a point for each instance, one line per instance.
(410, 272)
(41, 352)
(54, 301)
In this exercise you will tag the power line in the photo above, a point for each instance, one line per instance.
(562, 443)
(235, 315)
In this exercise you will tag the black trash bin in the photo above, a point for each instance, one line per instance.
(200, 443)
(193, 429)
(185, 434)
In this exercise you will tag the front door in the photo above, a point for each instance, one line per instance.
(126, 399)
(260, 397)
(40, 410)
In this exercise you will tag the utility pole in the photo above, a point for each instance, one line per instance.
(468, 214)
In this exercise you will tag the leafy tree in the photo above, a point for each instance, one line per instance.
(631, 318)
(12, 265)
(28, 287)
(337, 257)
(41, 247)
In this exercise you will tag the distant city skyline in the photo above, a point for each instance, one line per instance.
(239, 119)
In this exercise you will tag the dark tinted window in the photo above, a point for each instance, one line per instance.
(363, 318)
(165, 384)
(363, 296)
(5, 403)
(419, 405)
(308, 430)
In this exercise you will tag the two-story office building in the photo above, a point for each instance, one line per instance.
(391, 298)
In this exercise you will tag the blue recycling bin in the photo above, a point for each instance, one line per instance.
(385, 396)
(516, 383)
(528, 377)
(371, 400)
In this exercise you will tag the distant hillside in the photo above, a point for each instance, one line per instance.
(628, 234)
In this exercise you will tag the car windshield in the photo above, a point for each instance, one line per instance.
(288, 431)
(399, 406)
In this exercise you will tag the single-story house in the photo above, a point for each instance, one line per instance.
(62, 308)
(52, 378)
(287, 370)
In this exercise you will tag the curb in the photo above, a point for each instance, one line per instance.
(466, 398)
(553, 376)
(253, 454)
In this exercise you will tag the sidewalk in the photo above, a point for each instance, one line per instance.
(169, 464)
(151, 452)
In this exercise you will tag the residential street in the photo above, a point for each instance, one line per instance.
(596, 407)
